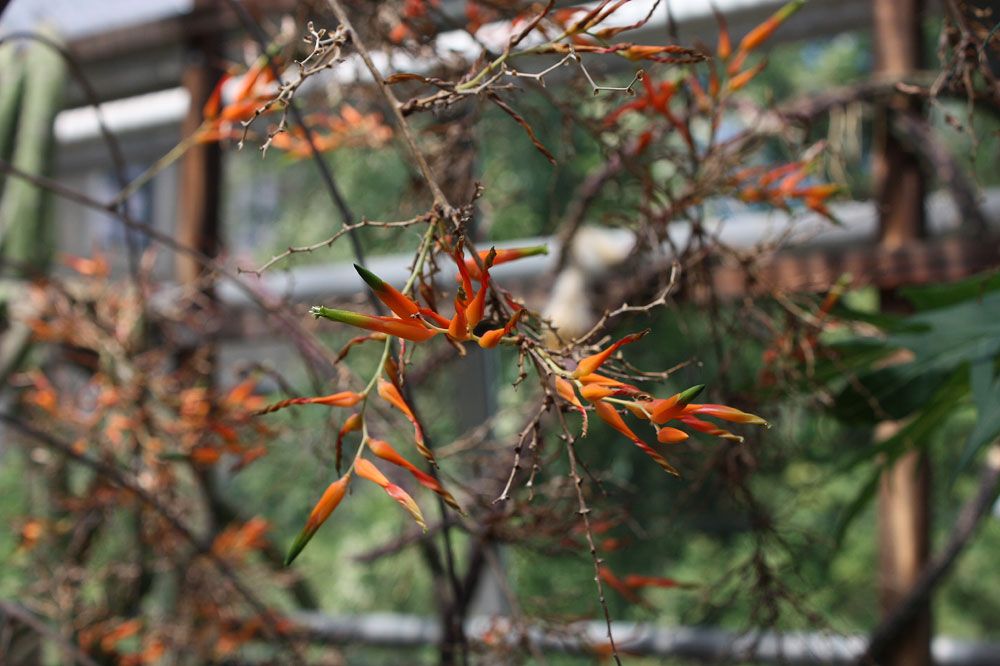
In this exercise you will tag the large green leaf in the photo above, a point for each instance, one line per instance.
(893, 392)
(941, 340)
(944, 338)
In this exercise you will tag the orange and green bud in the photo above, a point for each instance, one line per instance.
(699, 94)
(403, 306)
(744, 77)
(590, 364)
(725, 46)
(384, 451)
(762, 32)
(367, 470)
(491, 339)
(611, 416)
(261, 68)
(726, 413)
(502, 257)
(331, 498)
(342, 399)
(401, 328)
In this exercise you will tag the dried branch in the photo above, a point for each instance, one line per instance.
(425, 218)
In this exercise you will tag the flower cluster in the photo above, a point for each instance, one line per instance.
(414, 322)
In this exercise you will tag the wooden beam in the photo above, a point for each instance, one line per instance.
(904, 512)
(200, 168)
(918, 262)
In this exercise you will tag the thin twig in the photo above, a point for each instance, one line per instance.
(28, 619)
(331, 240)
(661, 300)
(584, 512)
(404, 127)
(530, 429)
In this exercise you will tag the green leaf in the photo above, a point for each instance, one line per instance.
(929, 297)
(893, 392)
(914, 434)
(848, 357)
(985, 383)
(948, 337)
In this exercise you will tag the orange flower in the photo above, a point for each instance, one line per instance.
(762, 32)
(458, 327)
(331, 498)
(668, 435)
(352, 423)
(709, 428)
(342, 399)
(474, 313)
(386, 452)
(502, 257)
(726, 413)
(491, 339)
(391, 394)
(367, 470)
(744, 77)
(402, 306)
(401, 328)
(589, 364)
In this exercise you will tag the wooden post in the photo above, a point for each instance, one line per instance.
(200, 168)
(899, 196)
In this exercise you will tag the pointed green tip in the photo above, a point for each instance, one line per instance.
(686, 396)
(300, 542)
(373, 281)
